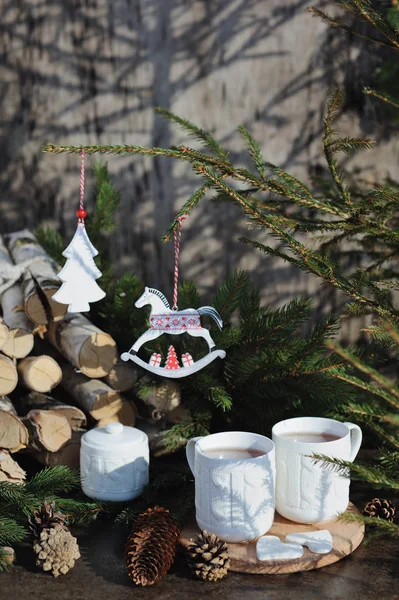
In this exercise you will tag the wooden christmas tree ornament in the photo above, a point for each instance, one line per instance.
(164, 319)
(80, 272)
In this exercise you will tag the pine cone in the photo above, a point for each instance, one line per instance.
(46, 517)
(56, 550)
(208, 557)
(380, 507)
(151, 546)
(54, 545)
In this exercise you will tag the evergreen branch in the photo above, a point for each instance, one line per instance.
(383, 526)
(350, 145)
(11, 532)
(220, 398)
(332, 22)
(364, 368)
(51, 241)
(376, 19)
(53, 480)
(372, 475)
(367, 387)
(382, 96)
(334, 107)
(185, 210)
(255, 151)
(196, 132)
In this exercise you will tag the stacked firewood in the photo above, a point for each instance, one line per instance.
(42, 348)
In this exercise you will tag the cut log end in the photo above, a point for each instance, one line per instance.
(19, 343)
(4, 333)
(50, 430)
(106, 403)
(13, 433)
(9, 469)
(8, 375)
(37, 311)
(40, 373)
(125, 415)
(98, 355)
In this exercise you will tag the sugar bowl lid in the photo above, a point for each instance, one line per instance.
(114, 434)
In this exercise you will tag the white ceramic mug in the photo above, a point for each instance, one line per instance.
(234, 498)
(307, 491)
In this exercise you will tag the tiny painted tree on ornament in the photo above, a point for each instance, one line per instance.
(79, 274)
(172, 362)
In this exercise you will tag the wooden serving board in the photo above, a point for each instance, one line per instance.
(346, 538)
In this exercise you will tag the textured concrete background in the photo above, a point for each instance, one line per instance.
(91, 71)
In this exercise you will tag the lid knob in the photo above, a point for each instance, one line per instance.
(114, 428)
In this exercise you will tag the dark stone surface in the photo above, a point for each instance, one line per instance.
(371, 572)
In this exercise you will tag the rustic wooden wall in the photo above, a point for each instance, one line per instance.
(91, 71)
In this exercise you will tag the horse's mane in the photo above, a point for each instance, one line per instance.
(160, 295)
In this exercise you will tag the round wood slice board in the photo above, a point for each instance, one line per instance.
(346, 538)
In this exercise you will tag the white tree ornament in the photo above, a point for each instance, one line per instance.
(79, 274)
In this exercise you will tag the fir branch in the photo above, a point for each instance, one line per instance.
(368, 370)
(255, 151)
(220, 398)
(196, 132)
(103, 220)
(51, 241)
(382, 96)
(185, 210)
(333, 22)
(372, 475)
(53, 481)
(381, 526)
(231, 293)
(11, 532)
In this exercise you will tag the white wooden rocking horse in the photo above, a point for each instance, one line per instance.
(164, 319)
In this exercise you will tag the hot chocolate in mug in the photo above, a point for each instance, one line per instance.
(234, 484)
(307, 491)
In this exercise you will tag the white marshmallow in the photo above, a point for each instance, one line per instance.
(270, 547)
(319, 542)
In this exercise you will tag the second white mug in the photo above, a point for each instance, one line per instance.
(307, 491)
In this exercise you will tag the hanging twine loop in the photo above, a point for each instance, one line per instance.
(176, 239)
(81, 213)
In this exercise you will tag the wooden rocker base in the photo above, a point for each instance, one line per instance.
(175, 373)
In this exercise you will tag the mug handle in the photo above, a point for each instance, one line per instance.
(356, 439)
(190, 452)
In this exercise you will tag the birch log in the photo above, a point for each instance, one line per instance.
(125, 415)
(68, 455)
(39, 373)
(40, 281)
(35, 400)
(93, 396)
(10, 469)
(84, 345)
(47, 430)
(8, 375)
(122, 376)
(4, 333)
(19, 342)
(13, 433)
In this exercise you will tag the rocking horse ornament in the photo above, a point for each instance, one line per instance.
(164, 319)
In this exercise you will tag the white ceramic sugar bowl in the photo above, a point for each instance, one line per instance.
(114, 462)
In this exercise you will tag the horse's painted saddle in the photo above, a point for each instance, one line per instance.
(177, 320)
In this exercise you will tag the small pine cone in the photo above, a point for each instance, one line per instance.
(151, 546)
(208, 557)
(56, 550)
(379, 507)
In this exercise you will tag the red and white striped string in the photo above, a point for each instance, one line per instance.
(81, 213)
(176, 239)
